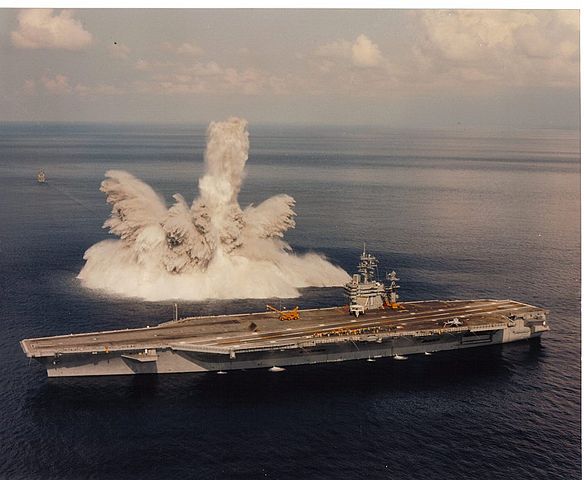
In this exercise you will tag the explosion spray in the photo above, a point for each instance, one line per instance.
(212, 249)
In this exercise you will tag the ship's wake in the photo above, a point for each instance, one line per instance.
(210, 249)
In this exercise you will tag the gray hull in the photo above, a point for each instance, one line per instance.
(170, 361)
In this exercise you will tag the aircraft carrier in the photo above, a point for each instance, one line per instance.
(373, 325)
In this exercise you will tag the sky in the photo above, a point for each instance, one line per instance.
(391, 67)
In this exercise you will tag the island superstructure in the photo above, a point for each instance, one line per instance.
(373, 325)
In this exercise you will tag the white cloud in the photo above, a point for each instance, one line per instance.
(56, 85)
(41, 28)
(502, 46)
(365, 53)
(100, 89)
(355, 68)
(362, 52)
(185, 48)
(204, 69)
(466, 35)
(118, 50)
(212, 78)
(60, 84)
(150, 65)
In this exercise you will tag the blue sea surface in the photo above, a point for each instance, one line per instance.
(459, 214)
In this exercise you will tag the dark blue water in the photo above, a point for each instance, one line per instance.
(459, 214)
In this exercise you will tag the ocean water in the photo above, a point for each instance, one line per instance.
(464, 214)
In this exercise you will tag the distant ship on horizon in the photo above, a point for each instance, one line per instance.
(41, 176)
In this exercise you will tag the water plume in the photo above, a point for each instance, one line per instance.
(210, 249)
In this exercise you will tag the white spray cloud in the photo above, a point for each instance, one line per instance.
(212, 249)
